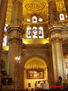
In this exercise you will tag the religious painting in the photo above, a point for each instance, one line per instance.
(35, 74)
(34, 32)
(41, 35)
(28, 32)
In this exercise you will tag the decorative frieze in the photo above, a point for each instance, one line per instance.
(34, 6)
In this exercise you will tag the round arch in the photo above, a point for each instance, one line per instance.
(32, 67)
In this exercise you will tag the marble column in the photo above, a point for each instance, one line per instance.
(52, 12)
(57, 54)
(15, 33)
(3, 9)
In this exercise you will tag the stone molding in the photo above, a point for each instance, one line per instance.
(56, 32)
(58, 28)
(17, 28)
(15, 34)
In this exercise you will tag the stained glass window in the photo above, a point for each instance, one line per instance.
(5, 41)
(28, 20)
(62, 17)
(41, 35)
(35, 32)
(5, 27)
(34, 19)
(40, 20)
(28, 32)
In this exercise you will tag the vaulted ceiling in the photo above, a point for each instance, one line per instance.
(37, 7)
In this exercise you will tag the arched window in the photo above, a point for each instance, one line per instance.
(35, 32)
(34, 19)
(5, 40)
(62, 17)
(28, 33)
(5, 27)
(41, 35)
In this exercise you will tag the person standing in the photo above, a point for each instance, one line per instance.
(45, 85)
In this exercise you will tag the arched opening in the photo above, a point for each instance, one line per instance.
(35, 71)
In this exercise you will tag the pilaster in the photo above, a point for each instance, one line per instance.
(57, 53)
(52, 12)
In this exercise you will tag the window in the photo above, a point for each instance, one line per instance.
(62, 17)
(34, 19)
(5, 27)
(40, 20)
(28, 20)
(28, 32)
(5, 41)
(41, 35)
(35, 32)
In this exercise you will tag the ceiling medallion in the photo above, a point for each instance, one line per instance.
(35, 6)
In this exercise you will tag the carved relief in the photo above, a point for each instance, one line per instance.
(34, 6)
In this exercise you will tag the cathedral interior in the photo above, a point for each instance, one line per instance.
(33, 42)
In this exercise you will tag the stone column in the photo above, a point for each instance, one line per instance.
(57, 54)
(3, 9)
(54, 61)
(15, 33)
(16, 18)
(52, 11)
(66, 5)
(0, 2)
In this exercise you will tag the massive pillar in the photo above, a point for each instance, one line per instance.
(66, 5)
(3, 9)
(0, 2)
(52, 12)
(15, 33)
(57, 53)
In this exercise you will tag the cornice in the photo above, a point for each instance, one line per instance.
(58, 28)
(29, 46)
(15, 28)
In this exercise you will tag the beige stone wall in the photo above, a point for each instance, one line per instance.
(43, 53)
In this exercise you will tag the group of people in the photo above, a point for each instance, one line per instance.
(44, 85)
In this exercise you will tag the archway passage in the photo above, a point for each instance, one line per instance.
(35, 72)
